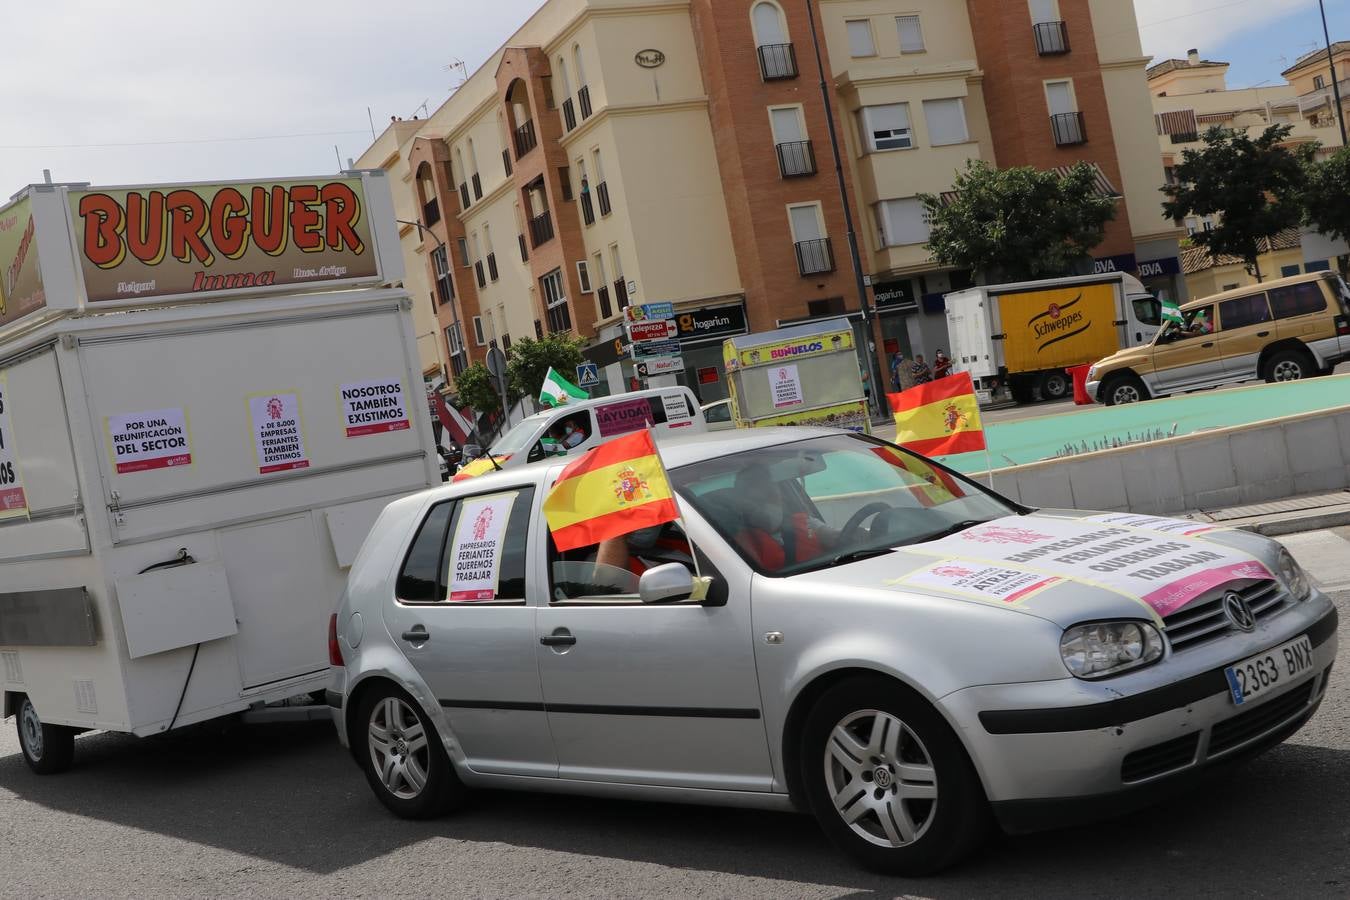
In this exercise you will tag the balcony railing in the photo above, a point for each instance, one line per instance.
(569, 114)
(602, 295)
(602, 195)
(1068, 129)
(796, 158)
(492, 266)
(1052, 38)
(1185, 137)
(525, 139)
(478, 271)
(621, 293)
(1323, 96)
(777, 61)
(524, 250)
(584, 101)
(506, 162)
(541, 229)
(814, 257)
(477, 187)
(431, 212)
(463, 195)
(587, 209)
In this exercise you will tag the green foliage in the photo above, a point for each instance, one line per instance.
(1324, 196)
(1254, 186)
(1018, 224)
(476, 387)
(530, 361)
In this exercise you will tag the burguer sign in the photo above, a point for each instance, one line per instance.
(137, 243)
(21, 289)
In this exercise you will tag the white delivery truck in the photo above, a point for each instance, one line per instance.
(206, 398)
(1025, 336)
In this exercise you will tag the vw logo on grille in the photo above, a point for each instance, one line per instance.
(1238, 612)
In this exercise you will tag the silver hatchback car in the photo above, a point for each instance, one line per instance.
(834, 625)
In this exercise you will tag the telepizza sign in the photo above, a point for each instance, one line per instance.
(135, 243)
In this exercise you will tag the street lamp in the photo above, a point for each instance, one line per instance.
(1335, 85)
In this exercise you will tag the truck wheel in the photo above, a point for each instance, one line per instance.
(1055, 386)
(1123, 389)
(888, 780)
(1288, 365)
(404, 760)
(48, 749)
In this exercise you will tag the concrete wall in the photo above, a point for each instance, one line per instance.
(1211, 470)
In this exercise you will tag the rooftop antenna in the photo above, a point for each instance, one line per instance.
(339, 157)
(371, 118)
(457, 65)
(423, 107)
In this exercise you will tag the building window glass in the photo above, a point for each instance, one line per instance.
(887, 127)
(1319, 82)
(902, 222)
(440, 264)
(946, 121)
(463, 246)
(478, 330)
(860, 42)
(555, 301)
(768, 22)
(911, 34)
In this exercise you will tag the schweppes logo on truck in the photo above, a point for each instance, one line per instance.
(195, 239)
(1059, 323)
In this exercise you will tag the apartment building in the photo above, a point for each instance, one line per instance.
(633, 151)
(1311, 79)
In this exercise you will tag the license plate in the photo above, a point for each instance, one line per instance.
(1262, 674)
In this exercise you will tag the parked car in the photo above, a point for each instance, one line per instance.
(718, 415)
(835, 625)
(1281, 330)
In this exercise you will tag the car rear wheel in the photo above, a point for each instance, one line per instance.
(48, 749)
(1288, 365)
(888, 780)
(403, 758)
(1123, 389)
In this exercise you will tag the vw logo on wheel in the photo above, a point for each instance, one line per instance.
(1238, 612)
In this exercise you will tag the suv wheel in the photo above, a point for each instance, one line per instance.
(1123, 389)
(1288, 365)
(403, 758)
(48, 749)
(888, 781)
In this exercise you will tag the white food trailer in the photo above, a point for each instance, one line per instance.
(207, 395)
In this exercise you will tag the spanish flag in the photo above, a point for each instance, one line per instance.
(617, 487)
(939, 418)
(480, 466)
(938, 486)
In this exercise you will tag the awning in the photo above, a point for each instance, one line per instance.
(1181, 121)
(1102, 186)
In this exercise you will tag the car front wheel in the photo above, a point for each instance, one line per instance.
(888, 780)
(48, 749)
(1123, 389)
(403, 758)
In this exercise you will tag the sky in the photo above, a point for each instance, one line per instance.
(143, 91)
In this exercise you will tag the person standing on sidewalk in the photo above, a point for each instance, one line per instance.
(942, 365)
(922, 374)
(901, 375)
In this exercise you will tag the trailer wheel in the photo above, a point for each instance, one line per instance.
(48, 749)
(1055, 386)
(403, 758)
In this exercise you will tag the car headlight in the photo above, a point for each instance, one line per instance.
(1294, 578)
(1092, 374)
(1109, 648)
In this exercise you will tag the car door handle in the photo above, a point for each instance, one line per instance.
(1207, 344)
(1263, 334)
(558, 640)
(418, 635)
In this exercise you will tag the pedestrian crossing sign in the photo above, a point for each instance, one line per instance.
(588, 375)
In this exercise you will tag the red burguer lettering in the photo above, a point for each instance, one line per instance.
(306, 223)
(270, 225)
(229, 223)
(342, 214)
(189, 221)
(147, 238)
(103, 223)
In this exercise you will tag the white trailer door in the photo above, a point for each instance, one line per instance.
(968, 327)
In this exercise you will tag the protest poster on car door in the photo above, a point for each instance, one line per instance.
(13, 500)
(278, 434)
(142, 441)
(374, 407)
(477, 555)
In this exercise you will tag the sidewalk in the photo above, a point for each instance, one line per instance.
(1308, 512)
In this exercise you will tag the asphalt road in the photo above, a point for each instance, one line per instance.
(281, 811)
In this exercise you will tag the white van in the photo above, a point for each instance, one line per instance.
(577, 427)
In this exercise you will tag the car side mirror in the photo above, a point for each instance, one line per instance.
(669, 583)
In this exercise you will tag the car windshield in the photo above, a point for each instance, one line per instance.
(811, 504)
(520, 437)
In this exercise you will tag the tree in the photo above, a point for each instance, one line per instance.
(1018, 224)
(531, 359)
(1254, 187)
(476, 387)
(1324, 196)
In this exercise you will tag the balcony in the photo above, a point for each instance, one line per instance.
(541, 229)
(477, 187)
(1316, 99)
(602, 195)
(492, 266)
(525, 139)
(569, 114)
(431, 212)
(814, 257)
(777, 62)
(1052, 38)
(587, 209)
(1068, 129)
(506, 162)
(524, 250)
(478, 272)
(463, 195)
(602, 296)
(621, 294)
(796, 158)
(584, 101)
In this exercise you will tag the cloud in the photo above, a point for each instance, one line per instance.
(1169, 28)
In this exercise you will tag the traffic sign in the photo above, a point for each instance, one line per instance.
(588, 375)
(656, 348)
(647, 311)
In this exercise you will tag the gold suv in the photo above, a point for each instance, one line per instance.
(1280, 331)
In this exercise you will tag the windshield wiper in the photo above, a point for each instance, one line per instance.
(947, 532)
(855, 555)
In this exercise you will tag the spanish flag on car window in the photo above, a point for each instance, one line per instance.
(617, 487)
(938, 486)
(939, 418)
(480, 466)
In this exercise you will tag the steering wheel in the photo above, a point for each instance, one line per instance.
(855, 521)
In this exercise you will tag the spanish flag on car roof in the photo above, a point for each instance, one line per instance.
(617, 487)
(939, 418)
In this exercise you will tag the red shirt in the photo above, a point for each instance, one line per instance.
(765, 549)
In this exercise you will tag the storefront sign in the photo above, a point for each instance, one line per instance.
(278, 435)
(139, 243)
(648, 349)
(715, 321)
(622, 416)
(814, 346)
(606, 353)
(1104, 265)
(658, 330)
(786, 386)
(477, 557)
(1154, 268)
(647, 312)
(13, 500)
(374, 407)
(660, 365)
(142, 441)
(21, 289)
(895, 295)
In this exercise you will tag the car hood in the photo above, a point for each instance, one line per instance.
(1068, 566)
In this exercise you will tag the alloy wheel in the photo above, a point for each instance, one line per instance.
(1125, 393)
(1287, 370)
(399, 749)
(881, 778)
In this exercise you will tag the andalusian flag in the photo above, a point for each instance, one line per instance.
(615, 488)
(1171, 312)
(939, 418)
(938, 486)
(558, 391)
(480, 466)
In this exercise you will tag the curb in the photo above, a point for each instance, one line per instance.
(1315, 522)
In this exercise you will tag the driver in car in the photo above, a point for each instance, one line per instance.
(770, 535)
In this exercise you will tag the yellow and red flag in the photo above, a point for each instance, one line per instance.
(617, 487)
(938, 486)
(939, 418)
(480, 466)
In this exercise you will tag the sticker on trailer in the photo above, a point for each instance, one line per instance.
(477, 557)
(786, 386)
(13, 499)
(278, 432)
(144, 441)
(374, 407)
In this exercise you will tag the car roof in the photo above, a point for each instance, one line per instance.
(1249, 289)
